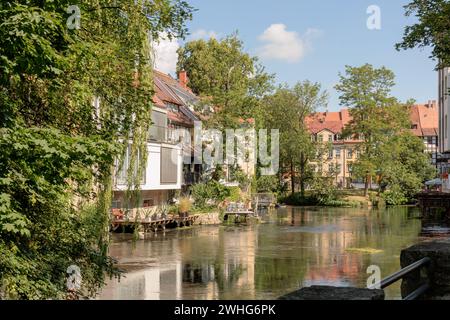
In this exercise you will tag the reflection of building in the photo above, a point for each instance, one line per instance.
(148, 284)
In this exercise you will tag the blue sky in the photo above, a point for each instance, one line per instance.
(314, 40)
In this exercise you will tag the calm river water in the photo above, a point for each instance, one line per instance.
(294, 247)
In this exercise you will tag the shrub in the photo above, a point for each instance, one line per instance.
(394, 196)
(297, 200)
(267, 184)
(235, 194)
(212, 190)
(184, 205)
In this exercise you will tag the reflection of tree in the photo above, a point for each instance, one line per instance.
(226, 279)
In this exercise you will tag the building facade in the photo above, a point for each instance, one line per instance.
(444, 127)
(165, 170)
(338, 155)
(425, 125)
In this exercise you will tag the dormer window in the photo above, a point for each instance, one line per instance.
(172, 107)
(414, 126)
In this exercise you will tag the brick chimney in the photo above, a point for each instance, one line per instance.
(182, 78)
(432, 104)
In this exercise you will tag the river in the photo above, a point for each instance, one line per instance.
(293, 247)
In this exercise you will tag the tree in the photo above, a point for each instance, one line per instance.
(58, 146)
(432, 29)
(403, 167)
(287, 110)
(376, 115)
(388, 151)
(225, 77)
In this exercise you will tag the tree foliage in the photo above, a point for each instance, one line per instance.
(58, 143)
(431, 30)
(230, 81)
(388, 152)
(287, 110)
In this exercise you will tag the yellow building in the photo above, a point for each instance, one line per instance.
(337, 156)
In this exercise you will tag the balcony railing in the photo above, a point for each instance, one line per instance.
(165, 134)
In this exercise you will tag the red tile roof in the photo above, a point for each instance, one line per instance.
(425, 119)
(168, 90)
(331, 121)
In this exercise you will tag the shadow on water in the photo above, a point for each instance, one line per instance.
(291, 248)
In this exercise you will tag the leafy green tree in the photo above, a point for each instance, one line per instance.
(431, 30)
(376, 115)
(403, 167)
(58, 143)
(230, 81)
(287, 110)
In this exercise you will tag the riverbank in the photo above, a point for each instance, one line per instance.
(350, 198)
(212, 218)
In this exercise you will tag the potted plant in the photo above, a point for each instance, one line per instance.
(184, 206)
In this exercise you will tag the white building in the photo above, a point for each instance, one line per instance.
(444, 110)
(444, 126)
(163, 170)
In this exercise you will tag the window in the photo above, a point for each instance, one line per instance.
(338, 168)
(445, 127)
(320, 138)
(414, 126)
(148, 203)
(430, 140)
(330, 138)
(330, 168)
(116, 204)
(330, 154)
(338, 153)
(350, 167)
(121, 175)
(158, 127)
(350, 153)
(169, 165)
(173, 107)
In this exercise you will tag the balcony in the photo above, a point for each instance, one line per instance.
(164, 135)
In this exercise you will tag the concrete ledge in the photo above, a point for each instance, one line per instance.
(439, 269)
(334, 293)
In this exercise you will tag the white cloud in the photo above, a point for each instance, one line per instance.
(203, 34)
(281, 44)
(166, 56)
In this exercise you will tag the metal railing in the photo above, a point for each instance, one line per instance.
(401, 274)
(166, 134)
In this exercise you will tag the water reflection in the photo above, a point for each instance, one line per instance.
(294, 247)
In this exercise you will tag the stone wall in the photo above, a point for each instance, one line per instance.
(208, 219)
(437, 273)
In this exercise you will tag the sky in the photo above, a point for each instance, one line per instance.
(314, 40)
